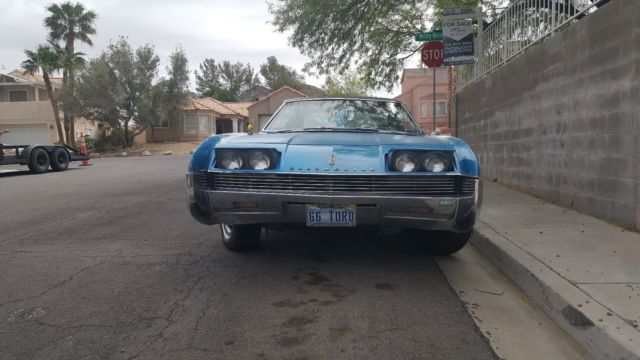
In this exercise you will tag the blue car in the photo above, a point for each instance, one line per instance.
(337, 162)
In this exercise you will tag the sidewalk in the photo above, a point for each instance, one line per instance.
(583, 272)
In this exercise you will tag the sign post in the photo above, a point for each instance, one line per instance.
(432, 55)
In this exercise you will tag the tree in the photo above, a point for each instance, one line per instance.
(277, 75)
(345, 84)
(46, 60)
(225, 81)
(66, 95)
(69, 22)
(169, 94)
(117, 88)
(375, 36)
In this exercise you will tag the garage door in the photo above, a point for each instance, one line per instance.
(23, 135)
(263, 119)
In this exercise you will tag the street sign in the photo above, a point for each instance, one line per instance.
(457, 34)
(429, 36)
(432, 54)
(460, 61)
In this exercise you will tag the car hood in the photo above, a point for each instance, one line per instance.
(345, 152)
(340, 138)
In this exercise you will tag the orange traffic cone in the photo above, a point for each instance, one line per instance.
(83, 150)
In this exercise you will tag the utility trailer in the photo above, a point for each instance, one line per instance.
(40, 157)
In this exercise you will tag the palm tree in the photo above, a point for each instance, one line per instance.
(69, 22)
(67, 96)
(46, 60)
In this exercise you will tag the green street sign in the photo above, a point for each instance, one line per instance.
(429, 36)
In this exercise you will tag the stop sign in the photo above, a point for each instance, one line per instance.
(432, 54)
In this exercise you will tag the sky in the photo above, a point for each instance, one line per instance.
(236, 30)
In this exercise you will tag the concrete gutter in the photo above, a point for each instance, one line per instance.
(583, 273)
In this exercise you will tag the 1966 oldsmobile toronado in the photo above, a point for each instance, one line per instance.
(337, 162)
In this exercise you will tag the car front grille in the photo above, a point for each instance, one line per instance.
(398, 185)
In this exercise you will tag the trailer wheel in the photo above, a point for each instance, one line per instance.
(59, 159)
(38, 161)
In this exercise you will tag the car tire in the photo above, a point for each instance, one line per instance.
(59, 159)
(38, 161)
(439, 243)
(240, 237)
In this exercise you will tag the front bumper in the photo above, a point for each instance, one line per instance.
(431, 213)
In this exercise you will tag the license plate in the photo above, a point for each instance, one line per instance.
(331, 215)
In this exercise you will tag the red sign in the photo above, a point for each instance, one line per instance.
(432, 54)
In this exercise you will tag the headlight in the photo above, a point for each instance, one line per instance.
(259, 160)
(405, 161)
(231, 160)
(436, 162)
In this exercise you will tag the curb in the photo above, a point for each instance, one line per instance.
(598, 329)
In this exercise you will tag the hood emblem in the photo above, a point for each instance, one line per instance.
(332, 159)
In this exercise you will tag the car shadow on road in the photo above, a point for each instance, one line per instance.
(324, 245)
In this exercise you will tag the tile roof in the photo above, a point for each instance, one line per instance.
(35, 77)
(222, 108)
(241, 108)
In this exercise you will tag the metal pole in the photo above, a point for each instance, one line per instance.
(457, 117)
(479, 43)
(434, 100)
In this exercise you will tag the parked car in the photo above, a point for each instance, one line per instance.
(337, 162)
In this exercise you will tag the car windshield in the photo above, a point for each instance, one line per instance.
(343, 115)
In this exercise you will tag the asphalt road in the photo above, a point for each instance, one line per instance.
(105, 263)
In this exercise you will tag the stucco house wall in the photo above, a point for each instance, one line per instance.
(260, 111)
(417, 94)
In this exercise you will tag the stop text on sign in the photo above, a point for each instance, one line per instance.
(432, 54)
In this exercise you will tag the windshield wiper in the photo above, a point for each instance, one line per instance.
(340, 129)
(280, 131)
(399, 132)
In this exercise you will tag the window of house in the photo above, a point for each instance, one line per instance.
(190, 124)
(17, 96)
(441, 108)
(424, 110)
(203, 124)
(160, 123)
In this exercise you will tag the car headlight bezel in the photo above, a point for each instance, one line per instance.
(243, 159)
(426, 161)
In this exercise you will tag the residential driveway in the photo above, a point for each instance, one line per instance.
(104, 262)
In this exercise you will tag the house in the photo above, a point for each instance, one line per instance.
(26, 111)
(260, 112)
(199, 119)
(417, 94)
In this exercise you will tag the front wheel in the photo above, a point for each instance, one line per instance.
(439, 242)
(240, 237)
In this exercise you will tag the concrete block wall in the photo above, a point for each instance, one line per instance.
(562, 120)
